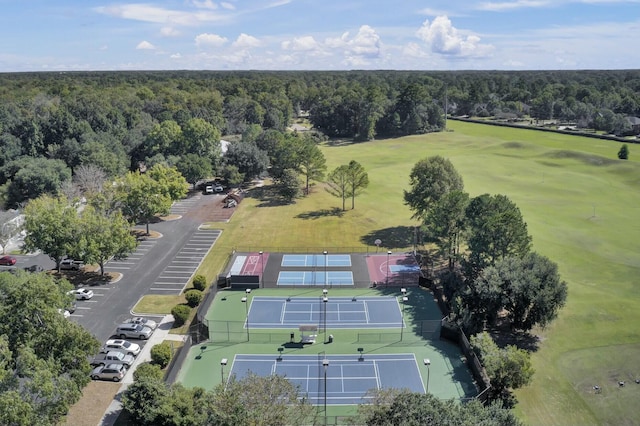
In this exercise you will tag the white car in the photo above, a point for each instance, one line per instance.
(120, 345)
(82, 293)
(143, 321)
(70, 265)
(64, 312)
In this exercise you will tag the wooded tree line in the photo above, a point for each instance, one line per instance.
(53, 123)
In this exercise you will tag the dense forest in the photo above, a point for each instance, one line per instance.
(53, 123)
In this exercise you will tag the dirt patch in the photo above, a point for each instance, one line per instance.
(212, 209)
(95, 400)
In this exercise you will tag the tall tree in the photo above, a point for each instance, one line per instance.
(89, 178)
(261, 401)
(312, 162)
(358, 180)
(508, 368)
(496, 230)
(51, 226)
(170, 180)
(194, 168)
(623, 153)
(338, 183)
(36, 176)
(250, 160)
(528, 289)
(141, 198)
(445, 223)
(43, 356)
(430, 179)
(103, 237)
(400, 407)
(288, 185)
(201, 138)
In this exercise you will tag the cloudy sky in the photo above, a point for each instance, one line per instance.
(46, 35)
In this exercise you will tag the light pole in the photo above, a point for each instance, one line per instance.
(245, 300)
(325, 267)
(325, 300)
(388, 254)
(427, 362)
(262, 269)
(325, 364)
(223, 362)
(404, 301)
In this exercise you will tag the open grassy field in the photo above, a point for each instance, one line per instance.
(581, 205)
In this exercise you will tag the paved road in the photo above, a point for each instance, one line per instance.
(153, 259)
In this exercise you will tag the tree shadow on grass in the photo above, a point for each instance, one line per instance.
(267, 197)
(392, 238)
(335, 211)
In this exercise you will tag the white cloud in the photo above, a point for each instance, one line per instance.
(245, 41)
(511, 5)
(304, 43)
(204, 4)
(169, 32)
(414, 50)
(149, 13)
(145, 45)
(227, 6)
(214, 40)
(442, 37)
(176, 56)
(366, 43)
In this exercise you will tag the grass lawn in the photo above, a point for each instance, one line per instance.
(580, 204)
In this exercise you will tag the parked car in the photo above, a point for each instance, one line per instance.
(8, 260)
(112, 357)
(113, 372)
(81, 293)
(218, 188)
(120, 345)
(133, 331)
(70, 264)
(143, 321)
(34, 268)
(208, 189)
(64, 312)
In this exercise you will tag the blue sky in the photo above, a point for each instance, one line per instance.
(59, 35)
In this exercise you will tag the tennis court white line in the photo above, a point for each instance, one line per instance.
(282, 313)
(375, 366)
(353, 359)
(366, 311)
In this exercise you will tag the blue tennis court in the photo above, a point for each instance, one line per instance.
(337, 312)
(349, 377)
(316, 260)
(310, 278)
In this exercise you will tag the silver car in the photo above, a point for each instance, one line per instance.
(133, 331)
(119, 345)
(143, 321)
(113, 372)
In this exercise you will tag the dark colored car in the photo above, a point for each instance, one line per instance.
(8, 260)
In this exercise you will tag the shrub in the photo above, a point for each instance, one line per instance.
(161, 354)
(146, 370)
(180, 314)
(200, 282)
(194, 297)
